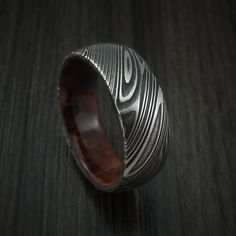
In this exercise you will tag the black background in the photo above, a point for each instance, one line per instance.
(191, 47)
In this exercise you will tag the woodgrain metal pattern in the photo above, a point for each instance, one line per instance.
(140, 106)
(191, 46)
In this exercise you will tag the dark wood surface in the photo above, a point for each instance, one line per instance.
(191, 46)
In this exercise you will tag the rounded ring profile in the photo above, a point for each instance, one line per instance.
(115, 116)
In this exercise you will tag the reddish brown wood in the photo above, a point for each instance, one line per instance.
(78, 100)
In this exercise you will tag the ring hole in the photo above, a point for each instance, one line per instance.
(80, 92)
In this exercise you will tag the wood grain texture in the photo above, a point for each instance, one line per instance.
(191, 46)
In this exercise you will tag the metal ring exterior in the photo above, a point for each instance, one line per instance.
(139, 98)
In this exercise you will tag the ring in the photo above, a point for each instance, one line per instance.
(115, 116)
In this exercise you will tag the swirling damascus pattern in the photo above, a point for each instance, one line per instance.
(141, 107)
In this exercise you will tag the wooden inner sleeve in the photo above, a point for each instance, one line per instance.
(90, 146)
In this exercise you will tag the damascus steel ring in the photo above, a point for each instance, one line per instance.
(115, 116)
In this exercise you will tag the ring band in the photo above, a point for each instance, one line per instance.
(114, 115)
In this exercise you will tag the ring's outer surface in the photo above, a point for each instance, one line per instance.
(139, 116)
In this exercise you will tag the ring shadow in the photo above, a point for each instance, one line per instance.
(119, 209)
